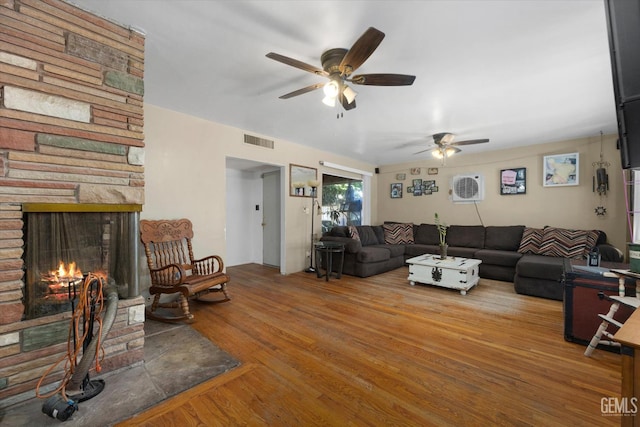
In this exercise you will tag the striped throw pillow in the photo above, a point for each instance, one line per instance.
(531, 240)
(398, 234)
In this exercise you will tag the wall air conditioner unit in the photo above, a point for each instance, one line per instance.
(467, 188)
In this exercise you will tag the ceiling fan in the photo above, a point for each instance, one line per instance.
(338, 64)
(446, 147)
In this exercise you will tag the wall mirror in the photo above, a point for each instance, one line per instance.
(299, 177)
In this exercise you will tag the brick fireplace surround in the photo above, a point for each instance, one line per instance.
(71, 132)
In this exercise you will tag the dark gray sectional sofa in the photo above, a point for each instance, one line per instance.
(505, 255)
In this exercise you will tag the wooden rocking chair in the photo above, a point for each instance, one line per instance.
(167, 244)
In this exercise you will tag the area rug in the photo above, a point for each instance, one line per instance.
(177, 357)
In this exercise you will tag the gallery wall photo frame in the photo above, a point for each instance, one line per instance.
(513, 181)
(560, 170)
(396, 190)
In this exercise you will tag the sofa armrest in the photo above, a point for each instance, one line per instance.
(351, 246)
(609, 252)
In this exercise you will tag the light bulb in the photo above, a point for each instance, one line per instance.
(327, 100)
(349, 94)
(331, 89)
(437, 154)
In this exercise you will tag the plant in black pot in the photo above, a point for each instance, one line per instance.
(442, 231)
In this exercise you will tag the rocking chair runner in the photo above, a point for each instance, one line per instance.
(167, 244)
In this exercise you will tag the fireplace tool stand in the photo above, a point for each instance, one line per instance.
(79, 387)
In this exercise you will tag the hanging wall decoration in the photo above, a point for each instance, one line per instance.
(601, 180)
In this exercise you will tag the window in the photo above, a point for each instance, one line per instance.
(341, 201)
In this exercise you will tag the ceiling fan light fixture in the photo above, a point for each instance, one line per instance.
(349, 94)
(329, 101)
(437, 153)
(449, 152)
(331, 89)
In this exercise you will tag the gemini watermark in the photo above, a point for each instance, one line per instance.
(619, 406)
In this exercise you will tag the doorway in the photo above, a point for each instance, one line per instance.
(271, 195)
(246, 243)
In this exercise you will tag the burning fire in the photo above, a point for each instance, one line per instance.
(62, 279)
(67, 273)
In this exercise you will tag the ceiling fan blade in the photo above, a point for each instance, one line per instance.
(298, 64)
(383, 79)
(424, 151)
(302, 91)
(361, 50)
(470, 141)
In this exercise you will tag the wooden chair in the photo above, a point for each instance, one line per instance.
(167, 244)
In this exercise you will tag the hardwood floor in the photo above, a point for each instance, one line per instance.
(378, 351)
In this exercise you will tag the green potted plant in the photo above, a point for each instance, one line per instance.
(442, 231)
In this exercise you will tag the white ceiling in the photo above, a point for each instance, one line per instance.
(517, 72)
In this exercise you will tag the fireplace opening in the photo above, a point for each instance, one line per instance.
(61, 246)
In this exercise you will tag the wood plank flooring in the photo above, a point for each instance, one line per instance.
(377, 351)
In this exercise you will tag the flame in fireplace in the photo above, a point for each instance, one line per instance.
(69, 272)
(61, 281)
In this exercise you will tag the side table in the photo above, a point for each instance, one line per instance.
(324, 257)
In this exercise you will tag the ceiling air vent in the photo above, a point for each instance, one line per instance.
(260, 142)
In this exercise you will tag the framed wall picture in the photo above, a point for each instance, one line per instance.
(417, 187)
(396, 190)
(401, 176)
(415, 171)
(513, 181)
(432, 171)
(561, 170)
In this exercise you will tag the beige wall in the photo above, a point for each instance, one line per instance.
(185, 177)
(570, 207)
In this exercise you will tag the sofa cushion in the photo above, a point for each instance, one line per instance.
(367, 235)
(565, 243)
(394, 250)
(498, 257)
(339, 231)
(467, 236)
(373, 254)
(531, 240)
(398, 234)
(542, 267)
(426, 234)
(505, 238)
(379, 232)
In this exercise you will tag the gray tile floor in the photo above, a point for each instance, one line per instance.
(176, 358)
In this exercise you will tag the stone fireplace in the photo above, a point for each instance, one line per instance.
(71, 141)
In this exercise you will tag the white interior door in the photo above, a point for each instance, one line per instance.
(271, 218)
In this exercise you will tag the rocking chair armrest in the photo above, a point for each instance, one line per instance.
(208, 265)
(165, 276)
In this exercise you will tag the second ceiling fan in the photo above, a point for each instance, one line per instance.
(445, 146)
(338, 65)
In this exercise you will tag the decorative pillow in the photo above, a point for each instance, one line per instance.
(531, 240)
(353, 232)
(592, 240)
(565, 243)
(398, 234)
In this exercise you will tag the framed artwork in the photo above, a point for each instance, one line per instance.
(513, 181)
(561, 170)
(417, 187)
(401, 176)
(428, 185)
(396, 190)
(415, 171)
(432, 171)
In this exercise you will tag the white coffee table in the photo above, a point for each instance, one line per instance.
(452, 272)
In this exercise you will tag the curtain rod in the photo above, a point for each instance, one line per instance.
(344, 168)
